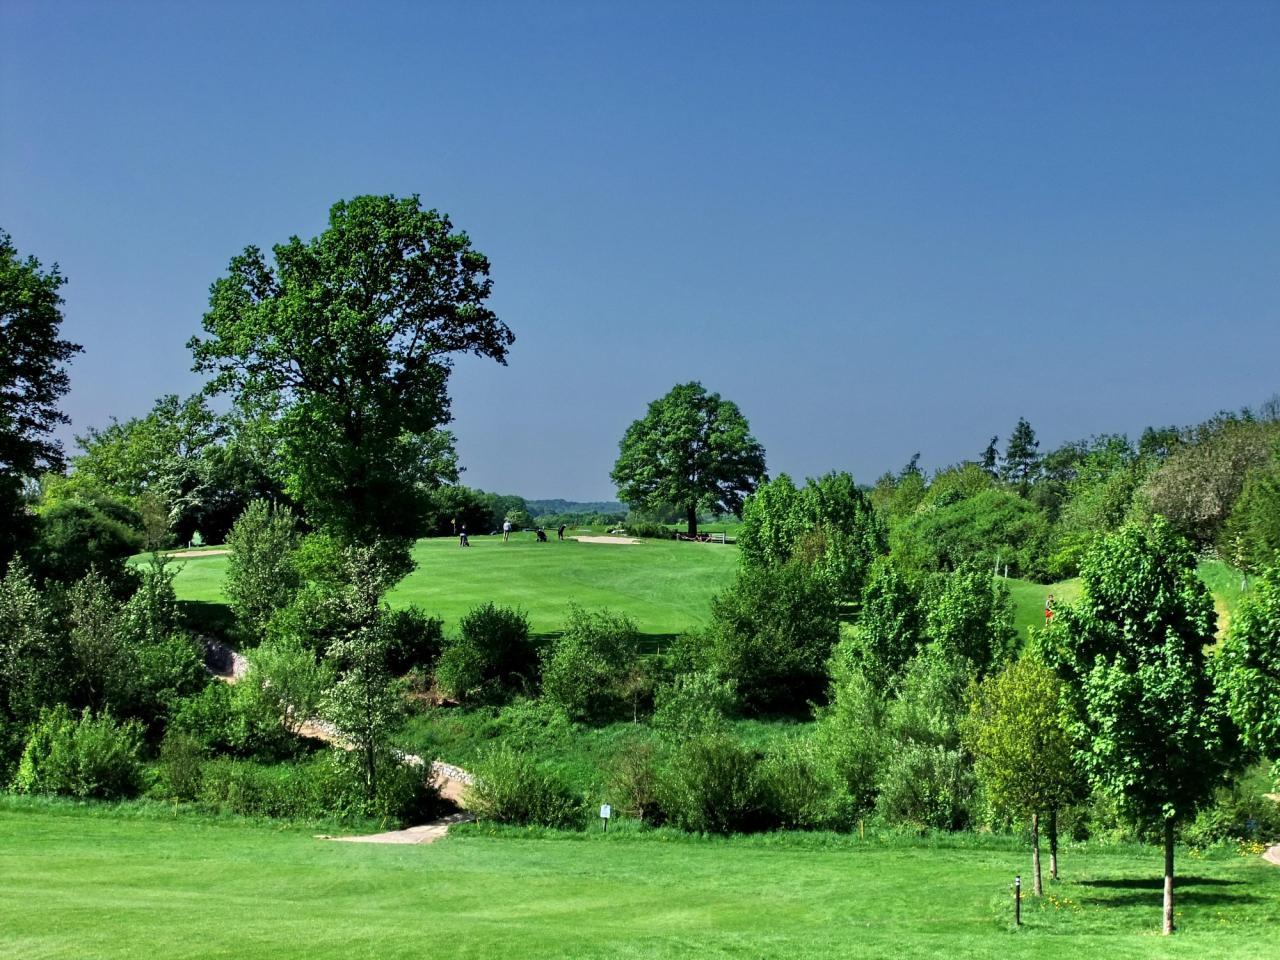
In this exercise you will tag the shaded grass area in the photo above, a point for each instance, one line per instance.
(111, 887)
(666, 587)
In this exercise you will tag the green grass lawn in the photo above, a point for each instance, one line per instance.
(1028, 600)
(77, 883)
(666, 587)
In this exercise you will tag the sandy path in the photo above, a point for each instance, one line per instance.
(193, 554)
(624, 541)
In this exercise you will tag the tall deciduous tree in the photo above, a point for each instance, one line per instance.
(1152, 730)
(347, 343)
(692, 449)
(32, 380)
(1023, 751)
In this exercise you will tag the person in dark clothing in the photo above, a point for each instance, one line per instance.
(542, 535)
(462, 537)
(560, 532)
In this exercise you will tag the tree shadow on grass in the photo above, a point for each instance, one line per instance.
(1157, 883)
(1148, 890)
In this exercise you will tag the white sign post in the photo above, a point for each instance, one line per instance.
(606, 812)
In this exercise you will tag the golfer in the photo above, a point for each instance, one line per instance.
(506, 530)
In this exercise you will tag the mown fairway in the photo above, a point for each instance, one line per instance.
(664, 586)
(76, 885)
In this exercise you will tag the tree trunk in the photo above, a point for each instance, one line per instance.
(1038, 884)
(1053, 844)
(691, 515)
(1168, 877)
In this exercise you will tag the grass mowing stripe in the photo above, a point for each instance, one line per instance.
(105, 887)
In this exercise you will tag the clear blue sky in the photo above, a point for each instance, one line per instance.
(879, 228)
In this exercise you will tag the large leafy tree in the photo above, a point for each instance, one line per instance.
(346, 343)
(1152, 730)
(32, 380)
(693, 449)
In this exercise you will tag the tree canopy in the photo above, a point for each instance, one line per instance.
(32, 380)
(1152, 730)
(346, 344)
(693, 449)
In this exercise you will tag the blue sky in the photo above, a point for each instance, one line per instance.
(879, 228)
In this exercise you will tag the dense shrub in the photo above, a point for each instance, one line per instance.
(829, 526)
(179, 771)
(708, 785)
(262, 574)
(888, 632)
(648, 530)
(283, 686)
(34, 657)
(490, 656)
(76, 536)
(510, 787)
(82, 756)
(969, 615)
(413, 640)
(994, 525)
(852, 738)
(1241, 811)
(927, 784)
(330, 785)
(234, 719)
(693, 704)
(584, 669)
(633, 782)
(799, 789)
(771, 634)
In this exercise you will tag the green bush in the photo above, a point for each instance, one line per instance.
(995, 524)
(510, 787)
(800, 790)
(693, 704)
(851, 738)
(1241, 811)
(585, 668)
(262, 574)
(76, 536)
(633, 782)
(179, 770)
(709, 785)
(772, 633)
(491, 655)
(927, 784)
(327, 786)
(83, 756)
(413, 640)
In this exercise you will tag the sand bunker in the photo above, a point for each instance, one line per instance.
(625, 541)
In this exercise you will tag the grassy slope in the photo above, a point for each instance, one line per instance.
(665, 586)
(77, 885)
